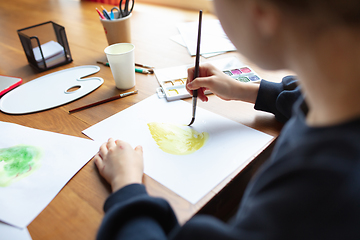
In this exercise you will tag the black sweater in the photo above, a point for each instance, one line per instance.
(308, 189)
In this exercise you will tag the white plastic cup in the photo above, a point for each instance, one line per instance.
(122, 64)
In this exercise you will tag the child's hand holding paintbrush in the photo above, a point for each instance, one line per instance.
(223, 86)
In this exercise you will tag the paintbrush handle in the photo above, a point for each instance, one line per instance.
(196, 73)
(103, 101)
(197, 59)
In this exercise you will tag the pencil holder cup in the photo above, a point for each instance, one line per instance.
(45, 45)
(117, 30)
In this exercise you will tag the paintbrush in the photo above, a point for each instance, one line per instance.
(196, 73)
(103, 101)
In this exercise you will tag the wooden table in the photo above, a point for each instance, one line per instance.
(76, 212)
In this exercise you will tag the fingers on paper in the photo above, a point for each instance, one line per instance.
(125, 145)
(103, 150)
(110, 143)
(139, 150)
(98, 161)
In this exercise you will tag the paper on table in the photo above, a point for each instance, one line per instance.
(230, 145)
(53, 54)
(49, 50)
(10, 233)
(62, 157)
(213, 37)
(178, 72)
(53, 60)
(178, 39)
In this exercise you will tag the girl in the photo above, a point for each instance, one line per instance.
(310, 186)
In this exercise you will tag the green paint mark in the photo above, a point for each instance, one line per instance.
(243, 79)
(18, 162)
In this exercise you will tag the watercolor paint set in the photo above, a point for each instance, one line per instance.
(243, 74)
(173, 80)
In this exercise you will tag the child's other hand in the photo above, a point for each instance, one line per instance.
(119, 163)
(220, 84)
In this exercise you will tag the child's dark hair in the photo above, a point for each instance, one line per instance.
(340, 11)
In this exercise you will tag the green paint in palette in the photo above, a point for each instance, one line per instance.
(18, 162)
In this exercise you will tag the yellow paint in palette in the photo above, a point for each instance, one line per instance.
(177, 139)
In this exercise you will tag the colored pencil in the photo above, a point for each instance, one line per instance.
(105, 13)
(100, 14)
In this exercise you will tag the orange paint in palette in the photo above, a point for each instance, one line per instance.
(168, 84)
(179, 82)
(173, 89)
(175, 92)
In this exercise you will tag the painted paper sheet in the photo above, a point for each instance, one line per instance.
(34, 166)
(227, 146)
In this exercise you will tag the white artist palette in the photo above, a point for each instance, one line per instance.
(51, 90)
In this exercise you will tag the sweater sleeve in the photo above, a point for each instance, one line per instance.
(278, 98)
(277, 206)
(130, 213)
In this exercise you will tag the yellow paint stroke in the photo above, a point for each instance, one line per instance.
(177, 139)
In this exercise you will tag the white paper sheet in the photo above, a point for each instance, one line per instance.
(49, 49)
(8, 232)
(178, 39)
(213, 37)
(229, 146)
(62, 156)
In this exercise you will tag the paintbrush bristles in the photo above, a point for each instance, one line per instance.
(192, 121)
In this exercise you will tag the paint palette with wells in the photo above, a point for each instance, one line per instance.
(173, 89)
(173, 80)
